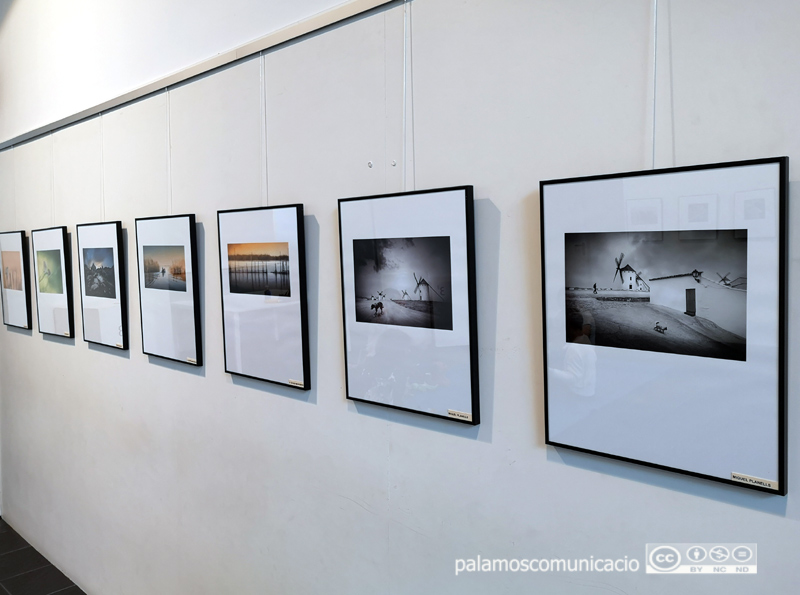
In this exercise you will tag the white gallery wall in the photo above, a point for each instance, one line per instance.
(64, 57)
(134, 474)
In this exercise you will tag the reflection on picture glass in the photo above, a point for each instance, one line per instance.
(259, 268)
(681, 292)
(404, 281)
(98, 272)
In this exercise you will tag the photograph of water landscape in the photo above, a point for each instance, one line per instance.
(259, 268)
(164, 267)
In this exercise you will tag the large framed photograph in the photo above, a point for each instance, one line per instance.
(263, 279)
(15, 279)
(408, 294)
(104, 296)
(169, 292)
(665, 317)
(52, 268)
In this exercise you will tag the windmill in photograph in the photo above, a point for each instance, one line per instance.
(705, 317)
(387, 267)
(424, 288)
(629, 278)
(737, 283)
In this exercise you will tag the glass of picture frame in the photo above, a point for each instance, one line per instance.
(264, 305)
(169, 289)
(408, 298)
(52, 266)
(15, 279)
(664, 318)
(104, 299)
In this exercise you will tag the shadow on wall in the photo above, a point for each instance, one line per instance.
(311, 229)
(487, 263)
(676, 482)
(5, 6)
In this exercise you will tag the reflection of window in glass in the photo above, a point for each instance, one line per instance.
(644, 217)
(643, 213)
(697, 213)
(755, 208)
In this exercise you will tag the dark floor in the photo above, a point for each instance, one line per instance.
(24, 571)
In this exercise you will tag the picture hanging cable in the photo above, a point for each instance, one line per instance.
(102, 170)
(655, 77)
(169, 152)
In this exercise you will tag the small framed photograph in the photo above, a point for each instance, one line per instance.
(15, 279)
(665, 335)
(263, 279)
(408, 293)
(52, 267)
(169, 291)
(104, 296)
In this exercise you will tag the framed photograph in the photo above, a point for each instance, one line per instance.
(104, 296)
(15, 279)
(169, 292)
(52, 268)
(264, 310)
(665, 317)
(408, 293)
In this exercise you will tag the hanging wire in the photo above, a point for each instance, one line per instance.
(655, 77)
(169, 153)
(405, 94)
(102, 168)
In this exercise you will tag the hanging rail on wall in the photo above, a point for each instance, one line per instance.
(312, 24)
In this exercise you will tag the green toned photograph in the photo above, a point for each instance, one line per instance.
(48, 271)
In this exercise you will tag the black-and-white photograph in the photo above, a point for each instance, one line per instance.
(404, 282)
(681, 292)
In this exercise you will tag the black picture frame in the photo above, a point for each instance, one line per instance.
(262, 309)
(110, 238)
(719, 379)
(434, 226)
(57, 234)
(18, 240)
(174, 231)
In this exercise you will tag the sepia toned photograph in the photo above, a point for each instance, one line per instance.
(98, 272)
(259, 268)
(48, 267)
(682, 292)
(164, 267)
(404, 282)
(12, 270)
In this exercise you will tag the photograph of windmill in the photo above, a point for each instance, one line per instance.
(259, 268)
(682, 292)
(404, 281)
